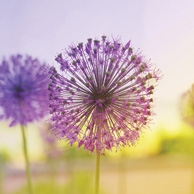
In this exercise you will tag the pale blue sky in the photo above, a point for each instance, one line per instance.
(163, 30)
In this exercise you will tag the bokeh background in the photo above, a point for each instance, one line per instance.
(162, 161)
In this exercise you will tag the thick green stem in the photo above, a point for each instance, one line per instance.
(97, 182)
(26, 160)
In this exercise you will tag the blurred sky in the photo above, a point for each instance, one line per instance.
(163, 30)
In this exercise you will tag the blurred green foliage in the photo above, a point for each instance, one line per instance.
(41, 187)
(4, 157)
(180, 144)
(79, 183)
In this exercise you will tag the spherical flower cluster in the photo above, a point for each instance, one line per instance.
(23, 89)
(101, 98)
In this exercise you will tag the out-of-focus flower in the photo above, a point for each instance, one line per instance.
(102, 97)
(187, 106)
(23, 89)
(50, 142)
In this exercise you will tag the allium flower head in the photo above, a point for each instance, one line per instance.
(102, 97)
(23, 89)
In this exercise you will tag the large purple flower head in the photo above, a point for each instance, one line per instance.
(23, 89)
(102, 97)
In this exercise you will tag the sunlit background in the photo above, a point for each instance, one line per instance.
(164, 31)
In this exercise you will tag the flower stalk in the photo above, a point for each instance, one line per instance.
(27, 165)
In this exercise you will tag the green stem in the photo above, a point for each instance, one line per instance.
(97, 182)
(26, 160)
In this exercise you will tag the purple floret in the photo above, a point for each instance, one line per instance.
(102, 97)
(23, 89)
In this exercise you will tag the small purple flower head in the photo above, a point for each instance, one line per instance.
(23, 89)
(102, 97)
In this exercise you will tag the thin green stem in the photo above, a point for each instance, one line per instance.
(97, 181)
(28, 174)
